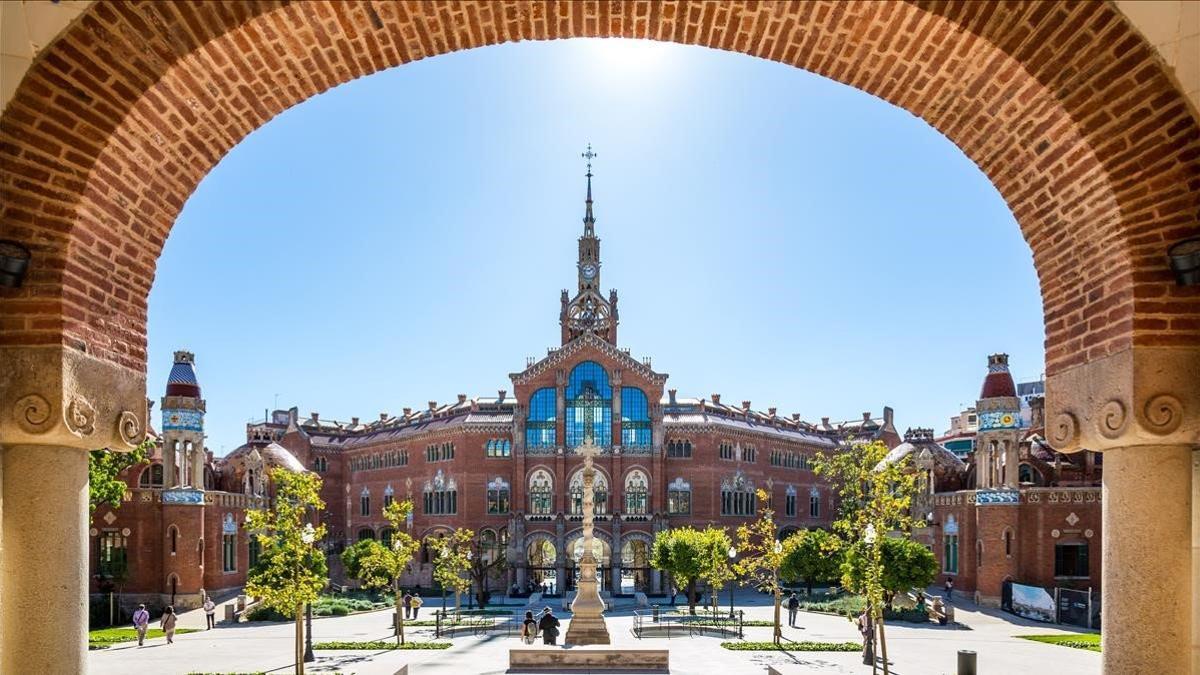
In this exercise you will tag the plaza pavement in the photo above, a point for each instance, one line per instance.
(913, 650)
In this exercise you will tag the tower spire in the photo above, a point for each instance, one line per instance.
(589, 221)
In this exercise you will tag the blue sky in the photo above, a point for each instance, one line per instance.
(775, 236)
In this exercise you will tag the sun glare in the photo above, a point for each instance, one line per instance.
(624, 58)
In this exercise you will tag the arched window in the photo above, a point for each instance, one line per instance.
(635, 418)
(599, 493)
(589, 397)
(1008, 537)
(366, 533)
(636, 493)
(814, 503)
(364, 502)
(151, 477)
(737, 496)
(385, 536)
(497, 496)
(388, 496)
(441, 495)
(541, 493)
(173, 535)
(540, 429)
(679, 497)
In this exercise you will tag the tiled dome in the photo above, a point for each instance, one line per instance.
(182, 380)
(999, 381)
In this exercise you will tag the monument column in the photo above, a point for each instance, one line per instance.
(56, 404)
(1141, 409)
(615, 559)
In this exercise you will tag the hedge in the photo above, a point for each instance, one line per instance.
(745, 646)
(381, 644)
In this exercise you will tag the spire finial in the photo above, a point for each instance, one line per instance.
(588, 219)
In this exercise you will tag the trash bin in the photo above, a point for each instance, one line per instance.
(654, 613)
(966, 662)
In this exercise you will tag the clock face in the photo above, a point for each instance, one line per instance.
(589, 271)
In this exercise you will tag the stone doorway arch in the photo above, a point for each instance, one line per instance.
(1066, 108)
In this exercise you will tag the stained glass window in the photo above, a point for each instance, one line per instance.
(589, 397)
(599, 493)
(635, 418)
(539, 427)
(541, 493)
(636, 493)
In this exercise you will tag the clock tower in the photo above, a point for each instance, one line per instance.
(589, 311)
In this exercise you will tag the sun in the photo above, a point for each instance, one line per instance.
(626, 57)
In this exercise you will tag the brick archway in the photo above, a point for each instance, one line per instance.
(1064, 107)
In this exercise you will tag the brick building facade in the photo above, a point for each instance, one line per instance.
(1015, 510)
(504, 466)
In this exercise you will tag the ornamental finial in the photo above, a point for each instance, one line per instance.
(588, 219)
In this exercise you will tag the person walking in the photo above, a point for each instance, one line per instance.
(674, 592)
(793, 605)
(416, 603)
(529, 628)
(167, 623)
(141, 623)
(210, 612)
(949, 589)
(866, 627)
(407, 605)
(549, 627)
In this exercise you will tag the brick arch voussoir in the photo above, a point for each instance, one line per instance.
(1063, 107)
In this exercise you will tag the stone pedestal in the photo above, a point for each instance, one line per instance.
(588, 659)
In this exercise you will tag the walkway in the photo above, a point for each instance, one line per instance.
(913, 649)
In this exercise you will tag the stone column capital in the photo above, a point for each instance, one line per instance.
(54, 395)
(1147, 396)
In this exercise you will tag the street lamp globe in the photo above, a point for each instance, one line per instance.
(869, 535)
(732, 553)
(778, 546)
(309, 535)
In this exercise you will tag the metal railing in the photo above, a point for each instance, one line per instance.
(478, 622)
(657, 621)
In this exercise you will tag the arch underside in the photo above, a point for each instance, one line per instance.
(1064, 107)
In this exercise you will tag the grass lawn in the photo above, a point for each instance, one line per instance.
(102, 638)
(1089, 641)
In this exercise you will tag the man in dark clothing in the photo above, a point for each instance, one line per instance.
(793, 605)
(548, 625)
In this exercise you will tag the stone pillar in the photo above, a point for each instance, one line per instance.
(1141, 408)
(1196, 558)
(169, 462)
(44, 563)
(56, 403)
(615, 558)
(1148, 577)
(198, 467)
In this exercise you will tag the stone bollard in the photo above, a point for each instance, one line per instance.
(966, 662)
(654, 613)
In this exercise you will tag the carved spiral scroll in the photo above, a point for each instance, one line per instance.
(1063, 433)
(80, 416)
(1111, 421)
(129, 428)
(1163, 414)
(33, 413)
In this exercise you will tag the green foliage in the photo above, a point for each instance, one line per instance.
(291, 570)
(761, 555)
(380, 644)
(104, 469)
(102, 638)
(690, 554)
(451, 561)
(814, 556)
(905, 564)
(746, 646)
(264, 613)
(351, 554)
(1088, 641)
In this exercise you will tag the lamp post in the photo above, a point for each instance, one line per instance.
(732, 554)
(308, 537)
(470, 571)
(445, 552)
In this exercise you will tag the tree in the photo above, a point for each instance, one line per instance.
(689, 554)
(906, 564)
(716, 569)
(291, 570)
(451, 560)
(379, 566)
(482, 566)
(875, 499)
(812, 555)
(762, 555)
(105, 467)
